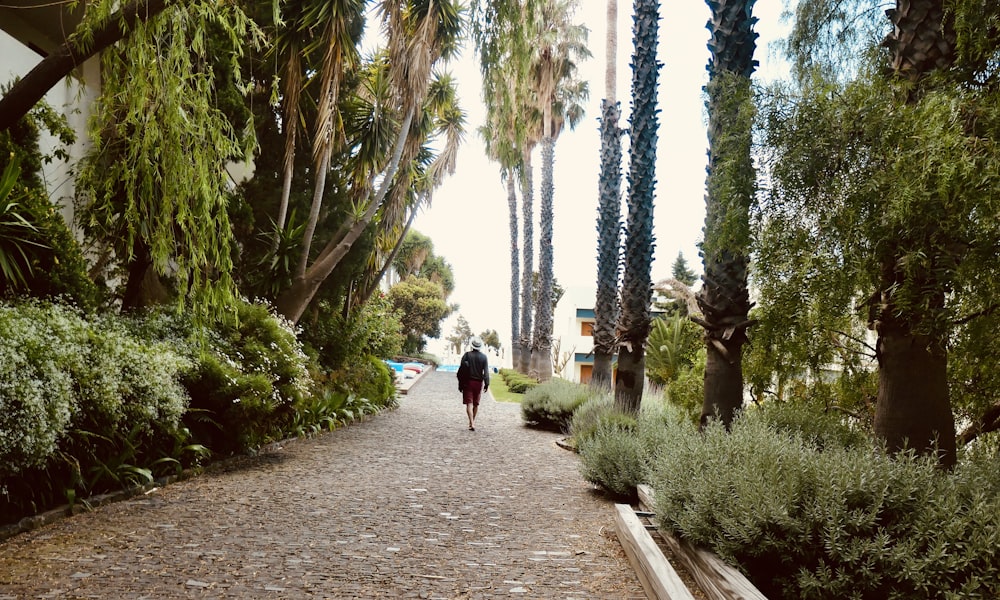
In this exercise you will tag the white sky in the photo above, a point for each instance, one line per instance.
(468, 220)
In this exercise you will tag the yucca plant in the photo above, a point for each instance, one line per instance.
(16, 232)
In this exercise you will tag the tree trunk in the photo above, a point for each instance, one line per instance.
(730, 182)
(631, 379)
(637, 289)
(913, 408)
(542, 349)
(293, 302)
(31, 88)
(515, 271)
(609, 225)
(319, 189)
(528, 212)
(724, 301)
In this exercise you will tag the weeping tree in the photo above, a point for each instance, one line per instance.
(637, 290)
(724, 297)
(898, 194)
(152, 193)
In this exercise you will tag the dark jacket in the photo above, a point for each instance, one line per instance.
(474, 366)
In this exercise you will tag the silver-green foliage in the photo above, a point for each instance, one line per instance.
(551, 404)
(844, 521)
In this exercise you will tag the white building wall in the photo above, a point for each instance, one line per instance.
(73, 96)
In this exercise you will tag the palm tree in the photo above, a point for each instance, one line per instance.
(608, 215)
(442, 118)
(913, 408)
(724, 297)
(636, 284)
(420, 34)
(339, 21)
(500, 31)
(560, 43)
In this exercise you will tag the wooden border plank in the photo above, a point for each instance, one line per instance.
(659, 579)
(718, 579)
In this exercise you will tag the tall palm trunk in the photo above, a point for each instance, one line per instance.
(541, 351)
(515, 269)
(724, 297)
(527, 219)
(637, 291)
(608, 215)
(913, 408)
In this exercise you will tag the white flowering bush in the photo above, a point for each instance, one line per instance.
(37, 399)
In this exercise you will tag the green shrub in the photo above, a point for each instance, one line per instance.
(814, 425)
(617, 449)
(366, 377)
(596, 413)
(373, 330)
(841, 522)
(38, 348)
(550, 405)
(516, 382)
(687, 390)
(245, 381)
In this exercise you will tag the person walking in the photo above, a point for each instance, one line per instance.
(473, 379)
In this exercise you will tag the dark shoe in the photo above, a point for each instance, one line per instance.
(472, 428)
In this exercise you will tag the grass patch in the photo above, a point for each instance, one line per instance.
(500, 391)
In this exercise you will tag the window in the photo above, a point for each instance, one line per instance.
(587, 328)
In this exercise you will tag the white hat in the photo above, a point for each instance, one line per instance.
(477, 343)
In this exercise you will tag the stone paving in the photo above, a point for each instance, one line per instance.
(409, 504)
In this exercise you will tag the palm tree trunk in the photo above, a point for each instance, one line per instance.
(913, 409)
(291, 122)
(637, 290)
(542, 350)
(515, 267)
(724, 297)
(319, 189)
(527, 285)
(608, 215)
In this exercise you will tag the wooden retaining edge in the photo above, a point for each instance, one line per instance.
(717, 579)
(658, 578)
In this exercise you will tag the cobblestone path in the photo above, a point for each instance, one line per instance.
(410, 504)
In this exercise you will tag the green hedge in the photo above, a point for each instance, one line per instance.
(516, 382)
